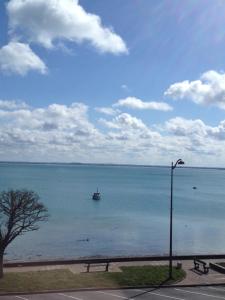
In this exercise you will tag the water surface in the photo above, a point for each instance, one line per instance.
(132, 218)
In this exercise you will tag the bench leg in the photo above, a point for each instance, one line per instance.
(196, 266)
(107, 267)
(88, 268)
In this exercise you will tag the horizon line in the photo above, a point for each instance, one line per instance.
(106, 164)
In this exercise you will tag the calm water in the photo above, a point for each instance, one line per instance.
(132, 218)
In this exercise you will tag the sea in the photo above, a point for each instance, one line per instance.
(132, 217)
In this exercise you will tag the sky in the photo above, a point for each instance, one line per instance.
(125, 82)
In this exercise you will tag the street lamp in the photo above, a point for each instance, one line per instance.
(173, 166)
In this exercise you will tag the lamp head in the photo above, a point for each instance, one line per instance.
(180, 162)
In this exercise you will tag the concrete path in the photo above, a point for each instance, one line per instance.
(192, 277)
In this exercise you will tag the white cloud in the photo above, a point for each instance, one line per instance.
(218, 132)
(19, 58)
(208, 90)
(107, 111)
(12, 105)
(125, 121)
(200, 143)
(135, 103)
(65, 133)
(55, 117)
(130, 139)
(45, 22)
(199, 137)
(57, 132)
(183, 127)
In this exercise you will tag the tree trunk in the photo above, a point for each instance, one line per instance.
(1, 265)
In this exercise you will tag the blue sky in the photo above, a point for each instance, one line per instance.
(132, 81)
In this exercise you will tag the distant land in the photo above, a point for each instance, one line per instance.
(105, 164)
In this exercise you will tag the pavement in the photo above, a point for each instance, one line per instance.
(176, 293)
(192, 276)
(196, 285)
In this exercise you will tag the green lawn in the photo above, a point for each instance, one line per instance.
(64, 279)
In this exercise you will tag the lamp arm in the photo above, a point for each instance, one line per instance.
(177, 163)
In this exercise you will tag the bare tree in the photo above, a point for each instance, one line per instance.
(20, 212)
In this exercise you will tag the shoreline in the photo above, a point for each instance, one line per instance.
(12, 264)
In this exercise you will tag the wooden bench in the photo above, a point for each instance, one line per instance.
(198, 262)
(89, 265)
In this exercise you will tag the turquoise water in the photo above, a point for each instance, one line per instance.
(132, 218)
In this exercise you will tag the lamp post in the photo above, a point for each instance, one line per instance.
(173, 166)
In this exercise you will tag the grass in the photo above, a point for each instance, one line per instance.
(64, 279)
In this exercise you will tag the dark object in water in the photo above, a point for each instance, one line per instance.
(194, 188)
(96, 195)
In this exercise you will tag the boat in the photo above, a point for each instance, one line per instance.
(96, 195)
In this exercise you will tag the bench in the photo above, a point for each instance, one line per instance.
(198, 262)
(106, 265)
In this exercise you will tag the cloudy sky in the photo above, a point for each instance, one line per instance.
(120, 81)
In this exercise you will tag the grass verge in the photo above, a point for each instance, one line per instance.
(64, 279)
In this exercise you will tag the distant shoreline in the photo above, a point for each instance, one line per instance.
(103, 165)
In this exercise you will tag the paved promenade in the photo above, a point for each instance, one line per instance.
(192, 277)
(177, 292)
